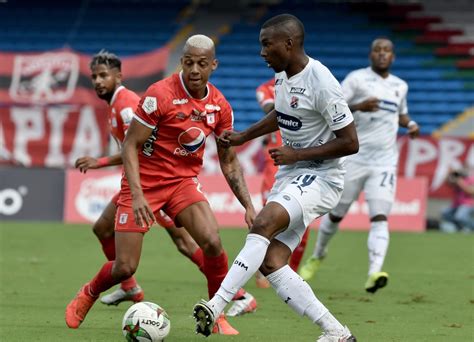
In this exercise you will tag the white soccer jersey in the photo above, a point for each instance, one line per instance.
(377, 131)
(310, 105)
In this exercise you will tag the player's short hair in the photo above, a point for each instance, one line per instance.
(199, 41)
(282, 19)
(107, 58)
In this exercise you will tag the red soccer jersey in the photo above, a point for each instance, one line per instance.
(181, 124)
(265, 95)
(122, 106)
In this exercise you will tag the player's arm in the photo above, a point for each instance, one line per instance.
(266, 125)
(234, 176)
(369, 105)
(86, 163)
(413, 128)
(137, 134)
(344, 144)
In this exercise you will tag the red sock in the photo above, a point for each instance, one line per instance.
(129, 284)
(215, 269)
(198, 259)
(297, 255)
(108, 246)
(102, 280)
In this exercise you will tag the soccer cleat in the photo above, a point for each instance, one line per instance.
(223, 327)
(78, 308)
(309, 268)
(204, 317)
(246, 304)
(135, 295)
(344, 336)
(261, 281)
(376, 281)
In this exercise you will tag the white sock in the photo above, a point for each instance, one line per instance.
(300, 297)
(377, 244)
(327, 229)
(245, 265)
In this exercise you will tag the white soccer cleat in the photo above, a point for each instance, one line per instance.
(115, 298)
(242, 306)
(343, 336)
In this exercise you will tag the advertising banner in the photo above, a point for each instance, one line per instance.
(87, 195)
(31, 194)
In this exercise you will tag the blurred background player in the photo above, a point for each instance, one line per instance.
(185, 109)
(266, 100)
(378, 100)
(459, 216)
(318, 131)
(106, 78)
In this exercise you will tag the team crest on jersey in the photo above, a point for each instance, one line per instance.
(192, 139)
(294, 102)
(211, 118)
(149, 104)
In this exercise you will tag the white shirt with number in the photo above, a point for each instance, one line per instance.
(310, 106)
(377, 131)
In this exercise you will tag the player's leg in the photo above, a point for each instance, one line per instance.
(330, 225)
(103, 228)
(182, 240)
(297, 255)
(380, 194)
(128, 249)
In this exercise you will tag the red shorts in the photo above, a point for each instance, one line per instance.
(268, 180)
(161, 218)
(170, 195)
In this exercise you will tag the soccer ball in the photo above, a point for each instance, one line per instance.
(145, 321)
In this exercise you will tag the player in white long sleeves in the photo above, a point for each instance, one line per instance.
(378, 100)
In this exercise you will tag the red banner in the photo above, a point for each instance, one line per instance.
(87, 195)
(63, 76)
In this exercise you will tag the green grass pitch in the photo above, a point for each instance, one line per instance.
(429, 296)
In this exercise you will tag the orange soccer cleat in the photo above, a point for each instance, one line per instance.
(223, 327)
(78, 308)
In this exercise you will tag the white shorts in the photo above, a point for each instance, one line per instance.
(305, 197)
(378, 183)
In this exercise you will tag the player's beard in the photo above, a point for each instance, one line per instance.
(106, 97)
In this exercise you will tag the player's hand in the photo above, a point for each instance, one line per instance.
(369, 105)
(250, 215)
(283, 155)
(142, 212)
(413, 130)
(230, 138)
(86, 163)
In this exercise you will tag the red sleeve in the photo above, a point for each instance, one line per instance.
(265, 93)
(226, 119)
(148, 110)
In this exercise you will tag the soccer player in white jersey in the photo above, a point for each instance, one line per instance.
(378, 100)
(317, 130)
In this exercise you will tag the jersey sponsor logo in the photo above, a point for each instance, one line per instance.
(180, 101)
(388, 106)
(212, 108)
(148, 146)
(149, 104)
(190, 140)
(294, 102)
(288, 122)
(278, 81)
(296, 90)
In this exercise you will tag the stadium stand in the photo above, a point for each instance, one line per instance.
(434, 43)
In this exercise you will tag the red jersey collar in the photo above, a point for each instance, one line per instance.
(186, 90)
(114, 96)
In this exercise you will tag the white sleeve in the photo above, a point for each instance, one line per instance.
(403, 104)
(332, 105)
(349, 88)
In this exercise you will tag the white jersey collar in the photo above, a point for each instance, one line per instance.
(187, 92)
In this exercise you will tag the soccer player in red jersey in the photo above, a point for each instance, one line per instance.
(163, 155)
(266, 99)
(107, 78)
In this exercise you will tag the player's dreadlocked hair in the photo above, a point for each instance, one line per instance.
(107, 58)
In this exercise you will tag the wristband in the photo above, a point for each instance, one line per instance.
(411, 123)
(104, 161)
